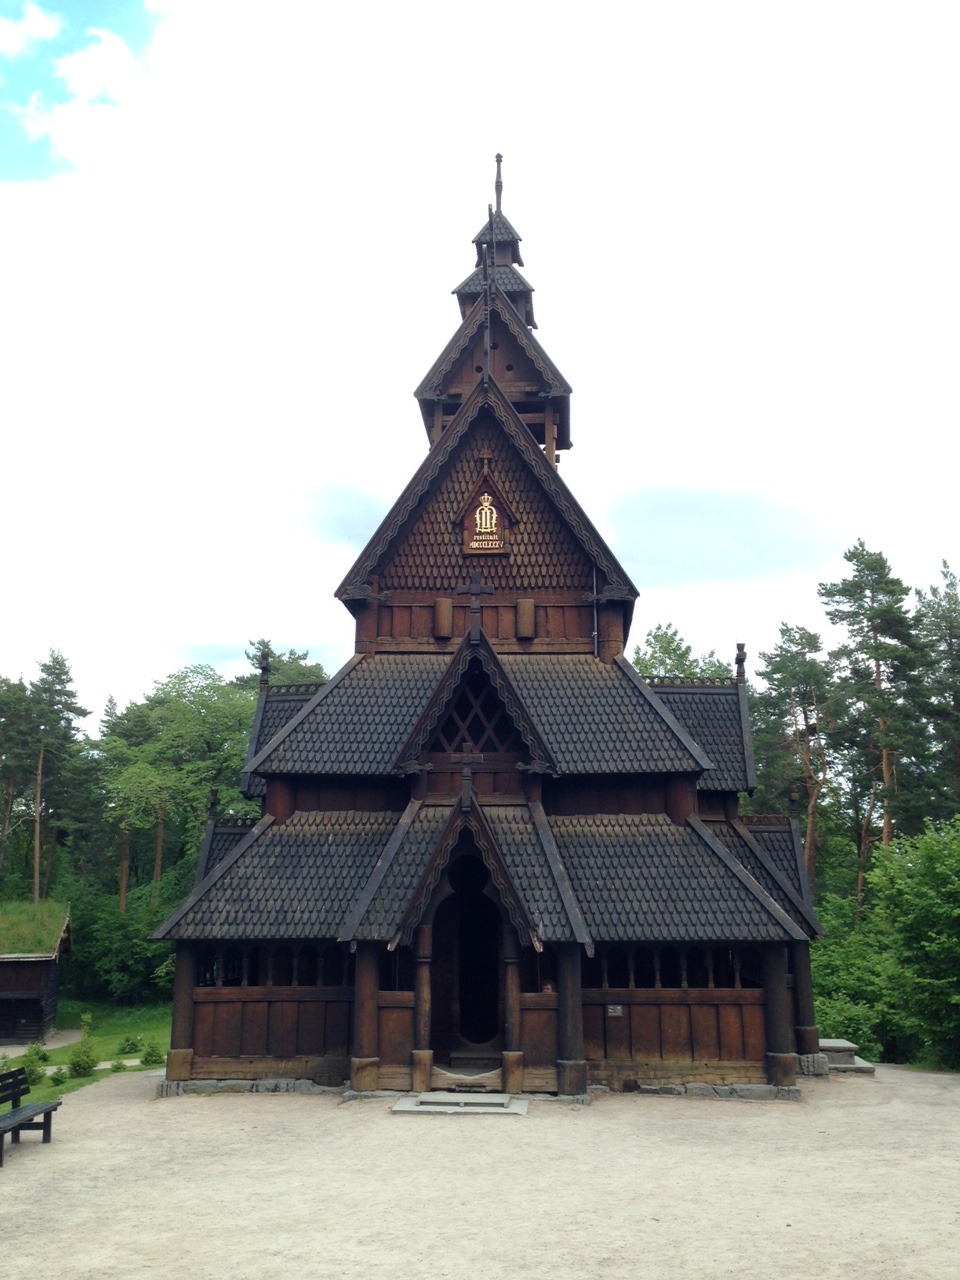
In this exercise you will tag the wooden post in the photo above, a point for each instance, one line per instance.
(808, 1037)
(571, 1063)
(511, 987)
(610, 639)
(180, 1057)
(422, 1009)
(365, 1065)
(781, 1058)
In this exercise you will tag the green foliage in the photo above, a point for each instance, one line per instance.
(58, 1077)
(34, 1063)
(130, 1045)
(916, 883)
(666, 654)
(152, 1055)
(283, 668)
(83, 1058)
(118, 1064)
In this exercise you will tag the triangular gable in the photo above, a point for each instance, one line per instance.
(445, 695)
(504, 418)
(432, 385)
(473, 819)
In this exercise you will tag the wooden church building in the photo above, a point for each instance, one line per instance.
(491, 855)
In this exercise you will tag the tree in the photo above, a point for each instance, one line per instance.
(16, 757)
(54, 709)
(291, 667)
(917, 883)
(877, 682)
(164, 756)
(796, 708)
(938, 631)
(666, 654)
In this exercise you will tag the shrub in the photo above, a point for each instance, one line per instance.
(59, 1077)
(130, 1044)
(32, 1062)
(118, 1064)
(83, 1059)
(152, 1055)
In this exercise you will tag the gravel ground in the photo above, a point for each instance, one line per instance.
(859, 1179)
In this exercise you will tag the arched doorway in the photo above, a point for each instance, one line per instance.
(466, 960)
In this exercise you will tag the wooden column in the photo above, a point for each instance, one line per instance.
(512, 1057)
(365, 1065)
(808, 1037)
(781, 1058)
(180, 1057)
(422, 1060)
(571, 1063)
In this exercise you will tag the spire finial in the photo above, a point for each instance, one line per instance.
(498, 185)
(741, 663)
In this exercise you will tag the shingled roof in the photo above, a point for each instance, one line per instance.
(490, 401)
(508, 279)
(779, 839)
(743, 844)
(276, 706)
(716, 716)
(597, 717)
(291, 880)
(640, 876)
(358, 721)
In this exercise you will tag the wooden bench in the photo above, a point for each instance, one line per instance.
(14, 1085)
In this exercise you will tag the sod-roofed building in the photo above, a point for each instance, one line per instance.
(490, 853)
(33, 939)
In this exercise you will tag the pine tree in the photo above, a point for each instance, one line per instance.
(878, 729)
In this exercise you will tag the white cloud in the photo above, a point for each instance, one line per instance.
(740, 227)
(17, 34)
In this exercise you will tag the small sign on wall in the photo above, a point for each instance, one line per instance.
(614, 1010)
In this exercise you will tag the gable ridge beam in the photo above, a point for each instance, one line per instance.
(351, 922)
(748, 756)
(804, 907)
(561, 877)
(733, 863)
(664, 712)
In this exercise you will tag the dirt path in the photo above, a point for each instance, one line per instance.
(860, 1180)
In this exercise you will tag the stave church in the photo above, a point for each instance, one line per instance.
(491, 856)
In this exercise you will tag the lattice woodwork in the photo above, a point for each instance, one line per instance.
(477, 717)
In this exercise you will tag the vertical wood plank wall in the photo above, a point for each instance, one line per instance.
(683, 1025)
(298, 1027)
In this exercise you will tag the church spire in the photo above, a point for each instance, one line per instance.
(501, 243)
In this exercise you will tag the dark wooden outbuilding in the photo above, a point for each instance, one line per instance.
(30, 977)
(490, 853)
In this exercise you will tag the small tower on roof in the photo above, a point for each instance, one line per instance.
(499, 244)
(495, 343)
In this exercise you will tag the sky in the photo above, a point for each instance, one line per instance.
(228, 236)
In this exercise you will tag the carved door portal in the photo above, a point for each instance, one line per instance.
(466, 962)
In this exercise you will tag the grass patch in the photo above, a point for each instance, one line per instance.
(31, 928)
(110, 1027)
